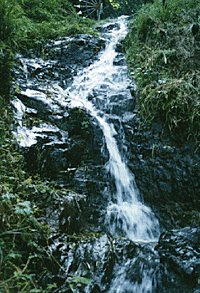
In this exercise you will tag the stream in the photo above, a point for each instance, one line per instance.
(126, 212)
(125, 257)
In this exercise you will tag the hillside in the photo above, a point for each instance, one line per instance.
(163, 52)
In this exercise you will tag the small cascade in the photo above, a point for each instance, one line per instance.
(67, 103)
(126, 215)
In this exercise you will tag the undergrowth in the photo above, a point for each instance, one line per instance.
(38, 21)
(28, 24)
(25, 233)
(163, 52)
(23, 237)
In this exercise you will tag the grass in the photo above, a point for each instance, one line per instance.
(163, 52)
(35, 24)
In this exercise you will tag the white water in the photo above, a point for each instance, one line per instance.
(126, 215)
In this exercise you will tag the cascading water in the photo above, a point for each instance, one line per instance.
(104, 81)
(126, 214)
(47, 126)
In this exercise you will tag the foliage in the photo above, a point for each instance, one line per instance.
(20, 231)
(127, 7)
(7, 39)
(24, 232)
(164, 58)
(27, 24)
(38, 21)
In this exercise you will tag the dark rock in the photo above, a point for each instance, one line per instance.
(116, 264)
(71, 218)
(180, 251)
(170, 176)
(107, 27)
(80, 50)
(119, 60)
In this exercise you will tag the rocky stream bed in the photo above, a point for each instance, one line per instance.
(62, 133)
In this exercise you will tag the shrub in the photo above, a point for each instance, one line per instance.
(164, 58)
(7, 41)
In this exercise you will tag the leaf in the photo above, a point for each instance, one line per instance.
(165, 58)
(7, 197)
(23, 208)
(81, 280)
(17, 269)
(28, 181)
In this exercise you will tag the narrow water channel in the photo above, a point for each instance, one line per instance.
(126, 212)
(103, 91)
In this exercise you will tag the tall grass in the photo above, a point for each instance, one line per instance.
(163, 52)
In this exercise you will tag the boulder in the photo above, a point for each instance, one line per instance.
(179, 251)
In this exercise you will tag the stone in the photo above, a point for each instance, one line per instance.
(179, 250)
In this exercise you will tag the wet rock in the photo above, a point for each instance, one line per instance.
(59, 60)
(105, 264)
(180, 252)
(119, 60)
(69, 147)
(120, 48)
(103, 261)
(107, 27)
(65, 214)
(71, 219)
(167, 174)
(80, 50)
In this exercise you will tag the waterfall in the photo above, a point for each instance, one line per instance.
(126, 215)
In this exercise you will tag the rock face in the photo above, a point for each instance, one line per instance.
(104, 264)
(180, 252)
(65, 143)
(59, 60)
(167, 172)
(61, 142)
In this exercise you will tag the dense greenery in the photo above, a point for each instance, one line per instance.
(20, 230)
(26, 24)
(163, 50)
(126, 7)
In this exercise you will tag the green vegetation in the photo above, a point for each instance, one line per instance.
(37, 21)
(163, 51)
(126, 7)
(20, 230)
(28, 24)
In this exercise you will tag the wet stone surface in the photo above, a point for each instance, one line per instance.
(180, 252)
(120, 265)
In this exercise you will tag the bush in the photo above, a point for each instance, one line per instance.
(7, 42)
(23, 238)
(164, 58)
